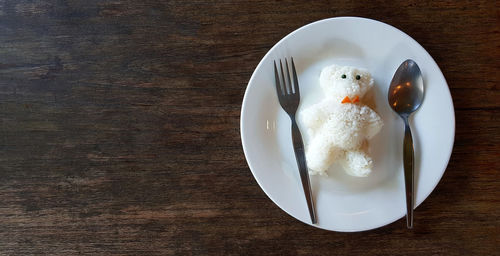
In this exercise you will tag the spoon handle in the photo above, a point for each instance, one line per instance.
(408, 169)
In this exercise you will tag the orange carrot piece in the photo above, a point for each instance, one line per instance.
(356, 99)
(346, 100)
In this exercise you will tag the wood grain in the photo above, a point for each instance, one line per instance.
(119, 130)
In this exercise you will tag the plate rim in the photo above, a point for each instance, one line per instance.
(245, 102)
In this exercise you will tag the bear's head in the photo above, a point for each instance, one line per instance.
(339, 82)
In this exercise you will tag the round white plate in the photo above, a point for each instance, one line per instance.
(345, 203)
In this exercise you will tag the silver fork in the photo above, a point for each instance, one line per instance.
(289, 98)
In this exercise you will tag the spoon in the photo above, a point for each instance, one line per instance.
(406, 93)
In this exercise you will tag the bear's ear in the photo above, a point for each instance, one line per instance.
(330, 74)
(334, 68)
(327, 78)
(366, 82)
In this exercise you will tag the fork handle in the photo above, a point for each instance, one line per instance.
(298, 147)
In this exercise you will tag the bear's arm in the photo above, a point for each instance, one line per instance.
(373, 122)
(313, 117)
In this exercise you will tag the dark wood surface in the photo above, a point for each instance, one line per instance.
(119, 130)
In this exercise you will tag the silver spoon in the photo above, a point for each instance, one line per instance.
(406, 93)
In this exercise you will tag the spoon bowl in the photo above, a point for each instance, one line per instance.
(406, 93)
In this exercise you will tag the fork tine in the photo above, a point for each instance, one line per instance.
(279, 89)
(295, 79)
(289, 85)
(285, 87)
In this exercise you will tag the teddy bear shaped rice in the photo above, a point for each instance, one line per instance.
(340, 125)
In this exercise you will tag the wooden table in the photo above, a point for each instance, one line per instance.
(120, 130)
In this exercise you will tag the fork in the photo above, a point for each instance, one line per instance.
(289, 98)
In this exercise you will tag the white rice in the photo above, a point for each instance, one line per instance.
(338, 131)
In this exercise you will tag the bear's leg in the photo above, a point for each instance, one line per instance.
(357, 163)
(320, 155)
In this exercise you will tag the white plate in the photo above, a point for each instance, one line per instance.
(345, 203)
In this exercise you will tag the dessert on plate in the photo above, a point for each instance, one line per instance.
(340, 126)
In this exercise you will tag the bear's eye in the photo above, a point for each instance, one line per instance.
(358, 77)
(343, 76)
